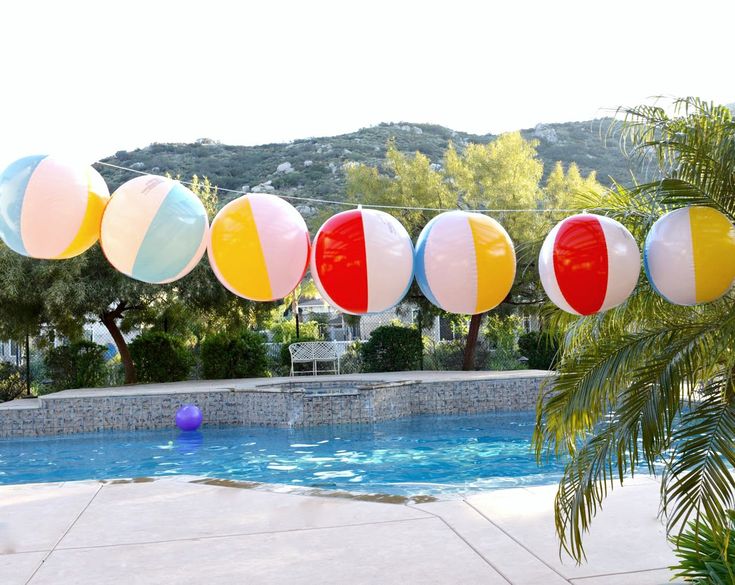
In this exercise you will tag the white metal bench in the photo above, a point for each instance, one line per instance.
(314, 352)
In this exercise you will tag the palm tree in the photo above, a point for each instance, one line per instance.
(306, 289)
(650, 384)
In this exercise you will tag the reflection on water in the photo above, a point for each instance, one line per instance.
(189, 442)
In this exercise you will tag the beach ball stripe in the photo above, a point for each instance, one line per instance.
(465, 262)
(259, 247)
(689, 255)
(50, 208)
(154, 229)
(589, 263)
(362, 261)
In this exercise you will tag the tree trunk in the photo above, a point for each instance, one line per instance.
(471, 345)
(109, 320)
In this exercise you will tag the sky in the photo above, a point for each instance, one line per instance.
(85, 79)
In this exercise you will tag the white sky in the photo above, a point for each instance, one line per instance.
(88, 79)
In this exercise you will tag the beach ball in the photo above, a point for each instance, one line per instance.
(259, 247)
(689, 255)
(154, 229)
(465, 262)
(189, 417)
(362, 261)
(51, 208)
(589, 263)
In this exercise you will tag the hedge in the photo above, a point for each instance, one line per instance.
(80, 364)
(392, 348)
(234, 355)
(160, 357)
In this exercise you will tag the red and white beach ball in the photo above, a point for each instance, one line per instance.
(589, 263)
(362, 261)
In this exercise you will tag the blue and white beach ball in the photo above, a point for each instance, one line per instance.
(154, 229)
(689, 255)
(465, 262)
(50, 208)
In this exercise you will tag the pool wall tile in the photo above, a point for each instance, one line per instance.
(283, 406)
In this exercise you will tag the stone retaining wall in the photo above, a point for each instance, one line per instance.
(284, 405)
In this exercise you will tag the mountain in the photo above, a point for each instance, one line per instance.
(313, 167)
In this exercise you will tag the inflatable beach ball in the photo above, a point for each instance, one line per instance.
(689, 255)
(51, 208)
(154, 229)
(589, 263)
(465, 262)
(259, 247)
(362, 261)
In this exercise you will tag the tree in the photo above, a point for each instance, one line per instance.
(407, 181)
(306, 289)
(562, 190)
(32, 294)
(61, 296)
(197, 302)
(504, 174)
(649, 382)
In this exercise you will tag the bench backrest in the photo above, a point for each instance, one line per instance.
(308, 351)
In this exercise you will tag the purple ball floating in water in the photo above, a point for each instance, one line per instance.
(188, 417)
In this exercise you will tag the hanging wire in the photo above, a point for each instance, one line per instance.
(358, 205)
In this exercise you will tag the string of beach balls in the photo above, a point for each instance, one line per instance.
(154, 229)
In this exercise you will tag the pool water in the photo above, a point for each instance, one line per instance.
(422, 455)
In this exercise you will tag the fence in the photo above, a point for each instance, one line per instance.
(442, 351)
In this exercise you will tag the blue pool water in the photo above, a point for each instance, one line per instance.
(421, 455)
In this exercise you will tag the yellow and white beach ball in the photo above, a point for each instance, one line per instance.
(689, 255)
(465, 262)
(259, 247)
(154, 229)
(50, 208)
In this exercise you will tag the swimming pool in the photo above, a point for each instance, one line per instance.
(422, 455)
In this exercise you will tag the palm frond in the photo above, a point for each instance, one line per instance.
(707, 556)
(649, 382)
(700, 481)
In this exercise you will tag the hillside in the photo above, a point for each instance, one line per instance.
(313, 167)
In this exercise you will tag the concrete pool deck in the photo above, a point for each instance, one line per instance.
(187, 531)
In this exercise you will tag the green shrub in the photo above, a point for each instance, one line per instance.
(234, 355)
(80, 364)
(392, 348)
(115, 371)
(351, 360)
(707, 556)
(12, 382)
(540, 349)
(449, 355)
(501, 335)
(160, 357)
(444, 355)
(285, 331)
